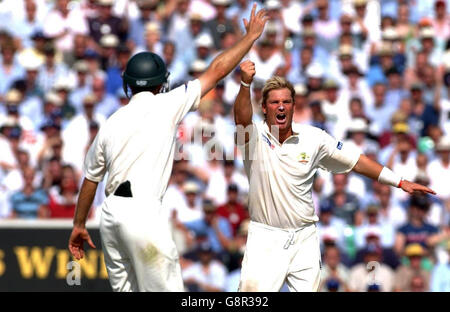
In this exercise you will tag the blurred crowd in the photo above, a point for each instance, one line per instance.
(374, 74)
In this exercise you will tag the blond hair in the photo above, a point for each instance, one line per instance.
(276, 83)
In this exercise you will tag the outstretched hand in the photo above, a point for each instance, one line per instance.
(76, 242)
(414, 188)
(255, 26)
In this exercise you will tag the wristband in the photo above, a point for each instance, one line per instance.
(387, 176)
(247, 85)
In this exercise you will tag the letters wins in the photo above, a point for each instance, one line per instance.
(36, 262)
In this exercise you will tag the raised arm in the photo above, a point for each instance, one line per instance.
(225, 62)
(384, 175)
(242, 105)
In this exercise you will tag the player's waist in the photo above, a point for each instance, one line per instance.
(286, 217)
(130, 189)
(286, 237)
(279, 229)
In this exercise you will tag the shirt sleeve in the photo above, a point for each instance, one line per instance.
(184, 99)
(335, 156)
(94, 163)
(225, 228)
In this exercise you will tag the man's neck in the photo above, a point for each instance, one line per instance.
(221, 19)
(416, 222)
(333, 269)
(64, 12)
(90, 116)
(280, 135)
(284, 135)
(404, 157)
(28, 190)
(332, 100)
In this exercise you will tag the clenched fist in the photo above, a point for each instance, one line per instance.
(247, 71)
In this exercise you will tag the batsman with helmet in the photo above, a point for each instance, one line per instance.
(136, 148)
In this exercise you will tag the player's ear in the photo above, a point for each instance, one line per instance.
(264, 108)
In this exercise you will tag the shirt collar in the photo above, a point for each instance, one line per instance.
(140, 95)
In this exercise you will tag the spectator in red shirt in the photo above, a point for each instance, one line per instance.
(232, 210)
(62, 198)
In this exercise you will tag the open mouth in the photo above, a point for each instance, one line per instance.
(281, 118)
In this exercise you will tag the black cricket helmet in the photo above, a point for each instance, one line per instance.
(145, 70)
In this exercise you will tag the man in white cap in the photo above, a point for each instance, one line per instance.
(357, 132)
(108, 46)
(32, 65)
(192, 210)
(281, 162)
(197, 68)
(428, 43)
(315, 76)
(204, 47)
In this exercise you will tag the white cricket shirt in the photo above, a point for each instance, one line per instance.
(137, 142)
(281, 175)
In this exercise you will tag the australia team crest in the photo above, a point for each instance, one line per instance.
(303, 158)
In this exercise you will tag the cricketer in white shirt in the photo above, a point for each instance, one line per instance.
(123, 147)
(280, 162)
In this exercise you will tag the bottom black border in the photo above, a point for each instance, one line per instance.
(263, 302)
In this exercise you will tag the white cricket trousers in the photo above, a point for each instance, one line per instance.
(140, 254)
(273, 256)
